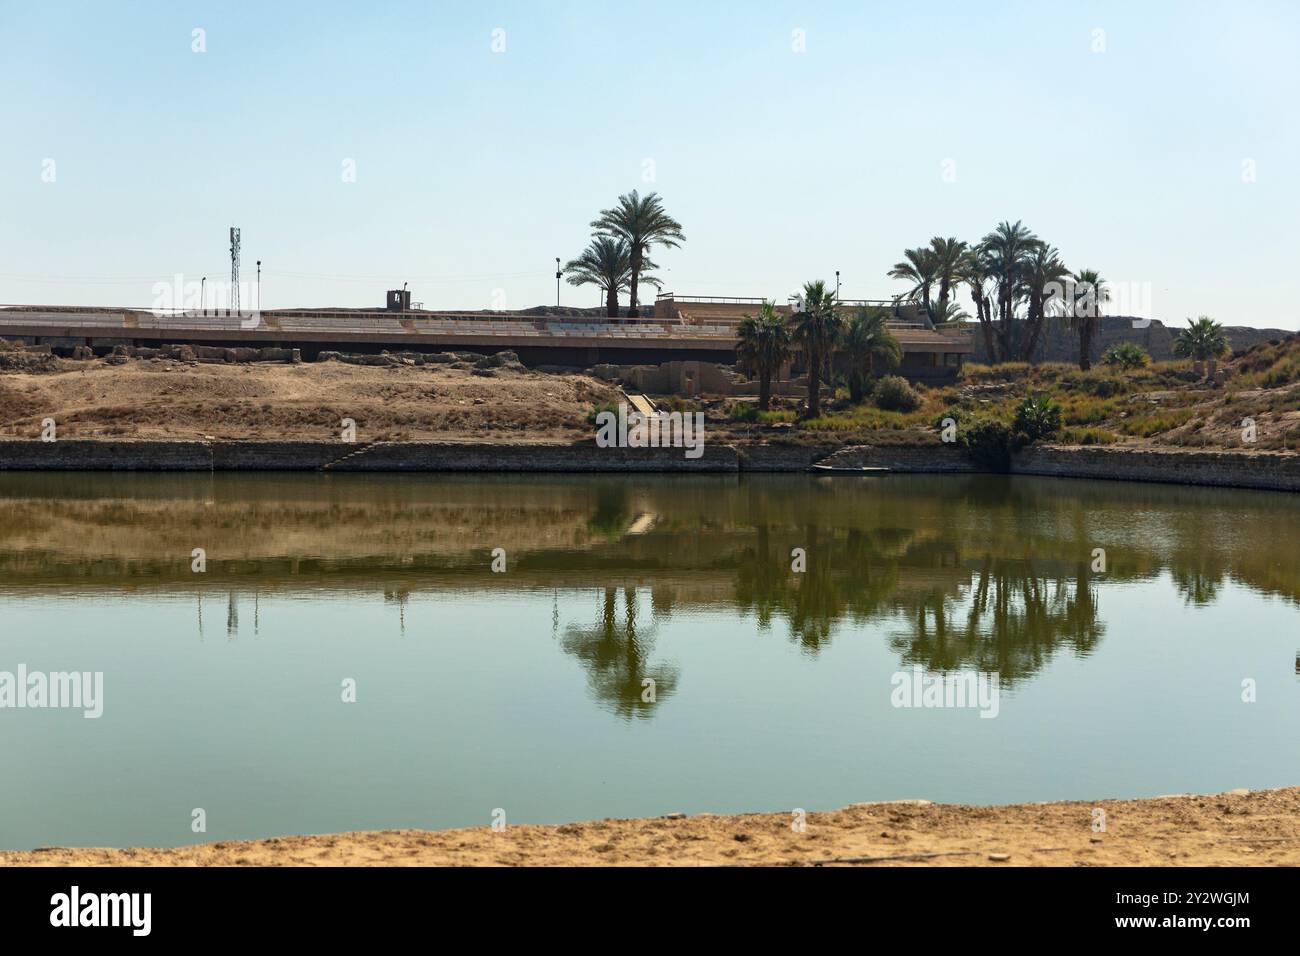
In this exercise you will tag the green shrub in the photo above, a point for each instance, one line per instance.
(602, 407)
(988, 443)
(893, 394)
(1126, 356)
(1038, 417)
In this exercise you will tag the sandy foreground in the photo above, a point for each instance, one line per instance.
(1238, 828)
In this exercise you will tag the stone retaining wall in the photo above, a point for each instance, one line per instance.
(1270, 470)
(927, 459)
(780, 457)
(91, 455)
(1262, 469)
(488, 456)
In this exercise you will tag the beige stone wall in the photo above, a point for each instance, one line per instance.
(1264, 470)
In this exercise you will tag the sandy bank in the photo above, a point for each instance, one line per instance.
(1238, 828)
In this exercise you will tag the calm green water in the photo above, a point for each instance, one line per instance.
(526, 690)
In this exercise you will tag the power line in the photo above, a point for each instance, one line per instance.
(107, 280)
(388, 277)
(68, 280)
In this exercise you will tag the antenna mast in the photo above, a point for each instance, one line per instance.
(234, 268)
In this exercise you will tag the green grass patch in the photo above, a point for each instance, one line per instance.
(1146, 425)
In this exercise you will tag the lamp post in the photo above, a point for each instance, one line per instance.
(203, 295)
(837, 283)
(557, 282)
(259, 285)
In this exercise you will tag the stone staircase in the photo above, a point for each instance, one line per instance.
(361, 448)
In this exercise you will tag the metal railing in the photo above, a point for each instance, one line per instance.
(752, 300)
(712, 299)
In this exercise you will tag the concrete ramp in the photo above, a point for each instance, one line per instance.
(838, 470)
(642, 404)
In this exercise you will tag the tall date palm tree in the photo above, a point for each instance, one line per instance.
(1044, 277)
(816, 330)
(919, 268)
(1086, 293)
(948, 257)
(1006, 252)
(641, 222)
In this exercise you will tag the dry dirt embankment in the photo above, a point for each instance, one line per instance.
(166, 414)
(161, 399)
(1235, 828)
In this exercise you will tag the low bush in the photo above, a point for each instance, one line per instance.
(1038, 417)
(893, 394)
(1126, 356)
(988, 443)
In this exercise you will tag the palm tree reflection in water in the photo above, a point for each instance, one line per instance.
(617, 659)
(1007, 616)
(1015, 620)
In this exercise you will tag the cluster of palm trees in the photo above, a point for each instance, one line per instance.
(618, 257)
(1015, 279)
(816, 328)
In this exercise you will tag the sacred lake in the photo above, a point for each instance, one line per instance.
(277, 654)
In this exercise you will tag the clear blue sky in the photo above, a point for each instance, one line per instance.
(474, 169)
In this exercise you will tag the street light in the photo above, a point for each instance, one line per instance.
(837, 283)
(259, 285)
(203, 295)
(557, 282)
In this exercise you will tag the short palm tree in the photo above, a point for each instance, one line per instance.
(763, 346)
(948, 312)
(1086, 293)
(607, 264)
(816, 329)
(641, 223)
(867, 341)
(1202, 339)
